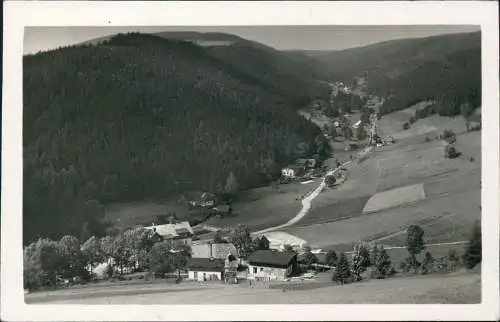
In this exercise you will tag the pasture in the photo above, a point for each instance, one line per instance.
(456, 288)
(395, 197)
(451, 187)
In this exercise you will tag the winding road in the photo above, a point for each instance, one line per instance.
(306, 204)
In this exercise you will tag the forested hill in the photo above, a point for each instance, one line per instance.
(446, 69)
(139, 116)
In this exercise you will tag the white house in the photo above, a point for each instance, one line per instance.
(205, 269)
(292, 171)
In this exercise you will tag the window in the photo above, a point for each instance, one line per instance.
(261, 269)
(255, 270)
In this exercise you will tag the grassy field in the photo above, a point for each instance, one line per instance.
(452, 203)
(257, 208)
(453, 288)
(263, 207)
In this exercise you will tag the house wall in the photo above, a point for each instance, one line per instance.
(287, 172)
(198, 276)
(274, 273)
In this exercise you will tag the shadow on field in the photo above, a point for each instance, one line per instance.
(110, 293)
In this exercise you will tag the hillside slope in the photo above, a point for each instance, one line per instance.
(445, 69)
(140, 117)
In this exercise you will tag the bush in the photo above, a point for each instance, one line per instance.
(412, 120)
(449, 136)
(330, 181)
(450, 152)
(406, 126)
(471, 159)
(427, 140)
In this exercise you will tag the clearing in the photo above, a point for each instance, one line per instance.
(395, 197)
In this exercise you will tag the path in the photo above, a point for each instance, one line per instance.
(306, 204)
(437, 244)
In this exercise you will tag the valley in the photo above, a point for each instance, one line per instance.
(225, 132)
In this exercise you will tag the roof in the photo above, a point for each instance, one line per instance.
(205, 264)
(271, 258)
(219, 251)
(172, 230)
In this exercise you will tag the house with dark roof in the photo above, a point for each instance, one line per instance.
(205, 269)
(181, 233)
(272, 264)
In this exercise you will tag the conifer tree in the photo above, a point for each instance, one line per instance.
(342, 271)
(472, 255)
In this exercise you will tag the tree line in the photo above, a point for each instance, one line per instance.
(377, 259)
(143, 117)
(51, 263)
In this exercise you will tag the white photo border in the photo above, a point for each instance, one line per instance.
(20, 14)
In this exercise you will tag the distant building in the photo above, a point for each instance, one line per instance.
(357, 124)
(292, 171)
(272, 264)
(180, 233)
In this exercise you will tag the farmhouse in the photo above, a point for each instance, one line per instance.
(209, 250)
(181, 232)
(292, 171)
(272, 264)
(205, 269)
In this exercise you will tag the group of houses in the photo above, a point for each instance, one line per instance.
(299, 168)
(219, 260)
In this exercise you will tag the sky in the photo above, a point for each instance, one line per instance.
(280, 37)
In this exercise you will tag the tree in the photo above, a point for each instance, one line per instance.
(452, 260)
(374, 253)
(450, 151)
(473, 250)
(382, 263)
(415, 243)
(160, 258)
(232, 185)
(467, 109)
(330, 181)
(218, 237)
(42, 262)
(85, 233)
(92, 252)
(360, 260)
(342, 270)
(261, 243)
(309, 258)
(331, 258)
(180, 259)
(428, 263)
(361, 132)
(241, 239)
(72, 264)
(449, 136)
